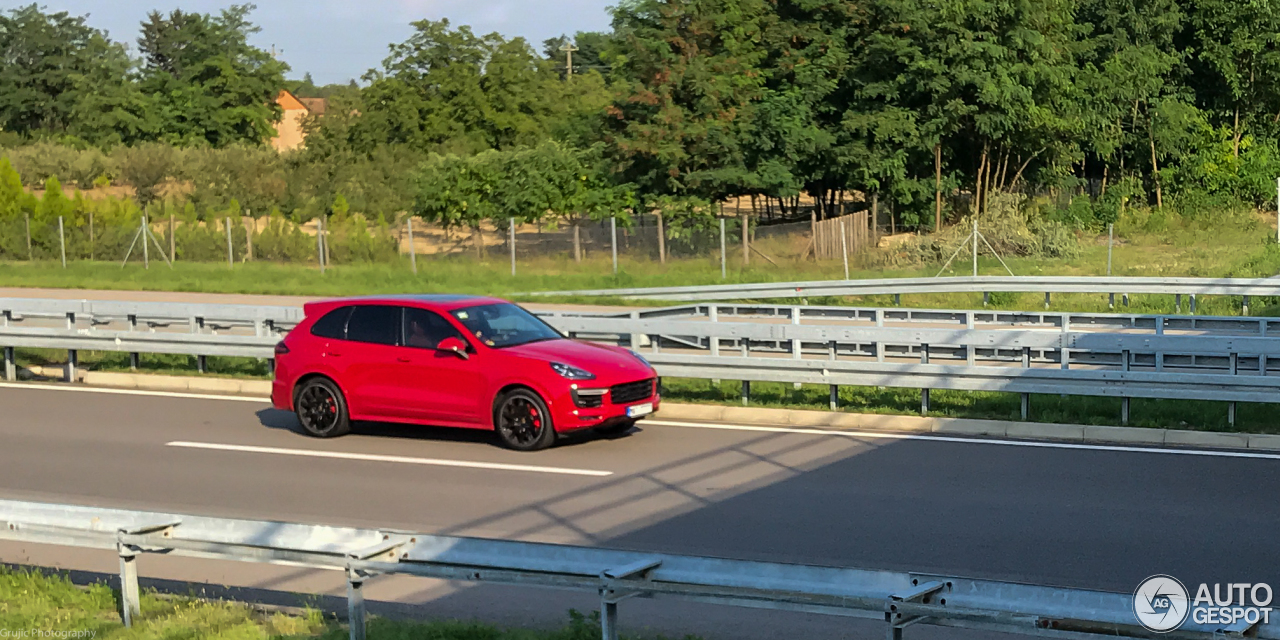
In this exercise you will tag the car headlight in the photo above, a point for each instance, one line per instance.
(638, 356)
(571, 372)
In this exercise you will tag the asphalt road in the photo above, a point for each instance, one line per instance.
(1085, 517)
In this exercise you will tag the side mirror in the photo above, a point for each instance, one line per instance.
(454, 346)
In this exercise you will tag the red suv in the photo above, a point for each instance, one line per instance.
(455, 361)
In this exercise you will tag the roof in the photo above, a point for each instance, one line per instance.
(317, 106)
(440, 301)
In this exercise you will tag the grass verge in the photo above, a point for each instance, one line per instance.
(36, 605)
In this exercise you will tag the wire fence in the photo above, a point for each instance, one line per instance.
(350, 239)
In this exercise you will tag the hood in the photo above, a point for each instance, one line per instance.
(608, 363)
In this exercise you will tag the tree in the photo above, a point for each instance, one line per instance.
(60, 76)
(210, 85)
(146, 167)
(681, 122)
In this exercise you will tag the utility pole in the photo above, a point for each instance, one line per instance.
(568, 50)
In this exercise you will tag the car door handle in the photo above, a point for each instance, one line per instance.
(403, 360)
(333, 354)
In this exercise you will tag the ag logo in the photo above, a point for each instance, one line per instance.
(1161, 603)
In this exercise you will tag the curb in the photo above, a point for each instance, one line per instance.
(762, 416)
(1090, 434)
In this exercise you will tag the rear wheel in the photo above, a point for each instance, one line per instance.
(523, 422)
(616, 429)
(322, 409)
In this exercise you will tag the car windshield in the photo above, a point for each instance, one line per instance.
(504, 325)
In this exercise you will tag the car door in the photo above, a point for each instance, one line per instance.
(369, 361)
(436, 386)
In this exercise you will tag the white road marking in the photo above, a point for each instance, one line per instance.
(131, 392)
(931, 438)
(496, 466)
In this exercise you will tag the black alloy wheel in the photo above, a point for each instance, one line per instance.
(523, 422)
(322, 410)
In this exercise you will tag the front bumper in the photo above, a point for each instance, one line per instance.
(568, 414)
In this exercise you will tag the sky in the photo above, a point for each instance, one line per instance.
(338, 40)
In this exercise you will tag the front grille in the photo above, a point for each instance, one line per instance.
(631, 392)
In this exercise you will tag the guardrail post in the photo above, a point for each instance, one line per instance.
(355, 604)
(10, 366)
(835, 388)
(1193, 304)
(1124, 402)
(1111, 300)
(713, 315)
(1124, 299)
(608, 616)
(897, 299)
(72, 360)
(924, 393)
(133, 356)
(1231, 408)
(894, 631)
(879, 345)
(1026, 397)
(746, 392)
(1046, 299)
(1177, 303)
(130, 595)
(1066, 353)
(1244, 306)
(797, 347)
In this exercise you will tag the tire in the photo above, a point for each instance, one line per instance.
(322, 409)
(616, 429)
(523, 422)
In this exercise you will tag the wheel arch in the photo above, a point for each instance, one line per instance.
(304, 379)
(508, 388)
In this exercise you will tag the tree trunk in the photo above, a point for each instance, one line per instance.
(662, 240)
(977, 187)
(1155, 166)
(875, 209)
(1235, 139)
(1017, 177)
(577, 241)
(746, 233)
(1106, 169)
(937, 187)
(1004, 172)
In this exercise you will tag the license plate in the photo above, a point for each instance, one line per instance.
(640, 410)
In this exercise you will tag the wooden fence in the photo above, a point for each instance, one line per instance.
(859, 234)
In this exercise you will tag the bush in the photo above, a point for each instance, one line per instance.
(43, 160)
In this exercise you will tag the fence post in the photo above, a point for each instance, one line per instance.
(146, 254)
(62, 243)
(1111, 236)
(91, 252)
(613, 235)
(230, 257)
(844, 248)
(724, 273)
(975, 247)
(746, 240)
(30, 255)
(1026, 397)
(608, 616)
(173, 239)
(513, 245)
(320, 242)
(130, 595)
(662, 241)
(413, 251)
(1277, 209)
(248, 237)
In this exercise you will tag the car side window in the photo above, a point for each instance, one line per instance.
(376, 324)
(333, 324)
(425, 329)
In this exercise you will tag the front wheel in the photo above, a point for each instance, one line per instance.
(523, 422)
(322, 409)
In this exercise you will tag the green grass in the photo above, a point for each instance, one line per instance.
(1195, 415)
(34, 601)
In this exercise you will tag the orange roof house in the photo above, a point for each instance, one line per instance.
(289, 134)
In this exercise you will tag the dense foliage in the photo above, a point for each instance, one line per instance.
(934, 110)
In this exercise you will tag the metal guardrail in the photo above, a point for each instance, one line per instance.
(1243, 287)
(898, 599)
(1231, 359)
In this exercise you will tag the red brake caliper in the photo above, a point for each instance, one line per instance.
(533, 417)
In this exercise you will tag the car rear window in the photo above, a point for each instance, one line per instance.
(333, 324)
(375, 324)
